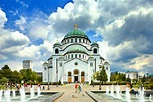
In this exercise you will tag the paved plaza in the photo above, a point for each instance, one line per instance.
(69, 90)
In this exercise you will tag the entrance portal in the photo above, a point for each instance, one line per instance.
(76, 75)
(75, 78)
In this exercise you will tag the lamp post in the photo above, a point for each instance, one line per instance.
(48, 77)
(56, 73)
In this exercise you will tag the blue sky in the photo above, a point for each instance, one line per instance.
(28, 30)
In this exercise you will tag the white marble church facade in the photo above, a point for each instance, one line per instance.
(74, 59)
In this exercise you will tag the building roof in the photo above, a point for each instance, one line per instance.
(75, 33)
(106, 63)
(76, 49)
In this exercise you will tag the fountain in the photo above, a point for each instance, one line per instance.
(118, 92)
(1, 94)
(23, 96)
(140, 96)
(7, 95)
(112, 90)
(38, 91)
(150, 97)
(127, 93)
(32, 92)
(22, 93)
(14, 94)
(107, 90)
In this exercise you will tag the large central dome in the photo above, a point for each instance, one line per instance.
(76, 33)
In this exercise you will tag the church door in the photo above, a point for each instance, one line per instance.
(76, 75)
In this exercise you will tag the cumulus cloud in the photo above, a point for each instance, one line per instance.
(124, 27)
(3, 18)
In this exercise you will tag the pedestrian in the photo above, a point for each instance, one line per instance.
(76, 87)
(80, 88)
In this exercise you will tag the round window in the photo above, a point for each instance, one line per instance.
(76, 63)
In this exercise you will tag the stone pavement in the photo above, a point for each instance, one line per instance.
(69, 90)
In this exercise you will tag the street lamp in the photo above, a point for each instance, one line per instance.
(57, 73)
(48, 77)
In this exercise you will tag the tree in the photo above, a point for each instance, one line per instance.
(3, 80)
(16, 77)
(6, 72)
(103, 75)
(6, 67)
(28, 75)
(143, 79)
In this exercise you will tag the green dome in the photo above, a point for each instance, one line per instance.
(76, 49)
(75, 32)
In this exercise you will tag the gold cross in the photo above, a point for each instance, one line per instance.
(75, 26)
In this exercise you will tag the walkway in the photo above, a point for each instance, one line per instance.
(69, 91)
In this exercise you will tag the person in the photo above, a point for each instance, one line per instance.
(76, 87)
(80, 88)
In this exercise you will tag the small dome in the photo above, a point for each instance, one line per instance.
(106, 63)
(91, 58)
(61, 58)
(57, 44)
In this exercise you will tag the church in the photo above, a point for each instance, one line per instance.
(74, 58)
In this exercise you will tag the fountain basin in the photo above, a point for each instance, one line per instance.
(43, 97)
(99, 96)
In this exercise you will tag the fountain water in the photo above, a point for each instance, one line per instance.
(150, 98)
(38, 91)
(14, 94)
(107, 90)
(112, 90)
(128, 99)
(136, 95)
(1, 94)
(7, 95)
(118, 91)
(32, 92)
(141, 94)
(22, 94)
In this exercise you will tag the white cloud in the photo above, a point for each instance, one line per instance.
(39, 31)
(11, 39)
(21, 22)
(13, 65)
(3, 18)
(124, 26)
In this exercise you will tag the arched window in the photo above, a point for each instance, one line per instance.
(75, 39)
(82, 73)
(91, 64)
(56, 51)
(60, 64)
(79, 55)
(79, 40)
(69, 73)
(71, 40)
(72, 56)
(76, 71)
(95, 50)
